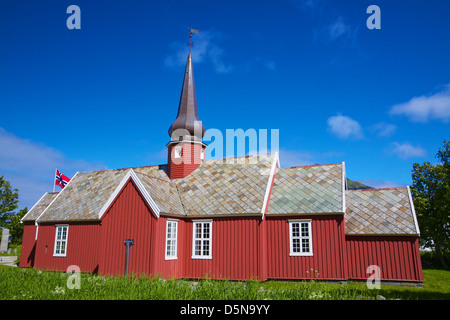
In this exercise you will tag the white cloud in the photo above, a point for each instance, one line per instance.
(344, 127)
(381, 183)
(292, 158)
(406, 150)
(338, 30)
(311, 6)
(425, 108)
(30, 167)
(384, 129)
(204, 49)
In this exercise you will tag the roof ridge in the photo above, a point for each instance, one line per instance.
(314, 165)
(181, 200)
(153, 165)
(378, 189)
(170, 181)
(239, 157)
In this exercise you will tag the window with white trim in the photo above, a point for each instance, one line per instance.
(300, 239)
(202, 240)
(171, 239)
(177, 151)
(61, 240)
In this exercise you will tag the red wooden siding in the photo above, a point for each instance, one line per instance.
(28, 245)
(82, 247)
(169, 268)
(182, 167)
(234, 250)
(128, 217)
(242, 247)
(397, 257)
(327, 244)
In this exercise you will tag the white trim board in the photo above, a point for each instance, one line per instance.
(275, 164)
(29, 211)
(344, 185)
(413, 210)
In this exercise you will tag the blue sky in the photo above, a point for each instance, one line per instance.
(104, 96)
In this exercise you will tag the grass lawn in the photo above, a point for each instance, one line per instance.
(25, 283)
(13, 247)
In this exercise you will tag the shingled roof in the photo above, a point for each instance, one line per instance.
(223, 186)
(386, 211)
(308, 189)
(237, 186)
(83, 197)
(40, 206)
(226, 186)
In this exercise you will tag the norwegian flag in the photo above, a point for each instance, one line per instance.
(60, 179)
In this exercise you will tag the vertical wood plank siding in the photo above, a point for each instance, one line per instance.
(327, 244)
(28, 251)
(82, 247)
(398, 257)
(234, 250)
(128, 217)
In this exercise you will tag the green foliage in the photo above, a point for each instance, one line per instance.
(29, 284)
(9, 198)
(25, 283)
(431, 195)
(16, 227)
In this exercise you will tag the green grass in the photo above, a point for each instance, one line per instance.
(25, 283)
(18, 251)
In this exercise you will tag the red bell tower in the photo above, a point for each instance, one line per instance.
(186, 150)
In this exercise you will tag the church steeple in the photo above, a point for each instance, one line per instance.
(187, 125)
(186, 149)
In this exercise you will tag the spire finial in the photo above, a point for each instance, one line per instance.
(187, 116)
(191, 31)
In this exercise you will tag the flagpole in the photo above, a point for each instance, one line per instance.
(54, 181)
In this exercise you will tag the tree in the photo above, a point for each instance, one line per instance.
(431, 196)
(9, 199)
(16, 226)
(8, 202)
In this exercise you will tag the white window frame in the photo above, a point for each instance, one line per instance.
(202, 239)
(62, 252)
(172, 238)
(202, 154)
(300, 237)
(176, 155)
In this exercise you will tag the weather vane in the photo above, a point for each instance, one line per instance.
(191, 31)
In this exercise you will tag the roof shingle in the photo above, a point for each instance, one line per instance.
(40, 206)
(379, 211)
(226, 186)
(309, 189)
(237, 186)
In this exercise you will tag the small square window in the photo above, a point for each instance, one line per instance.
(300, 239)
(177, 152)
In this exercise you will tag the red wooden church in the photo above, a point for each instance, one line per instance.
(239, 219)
